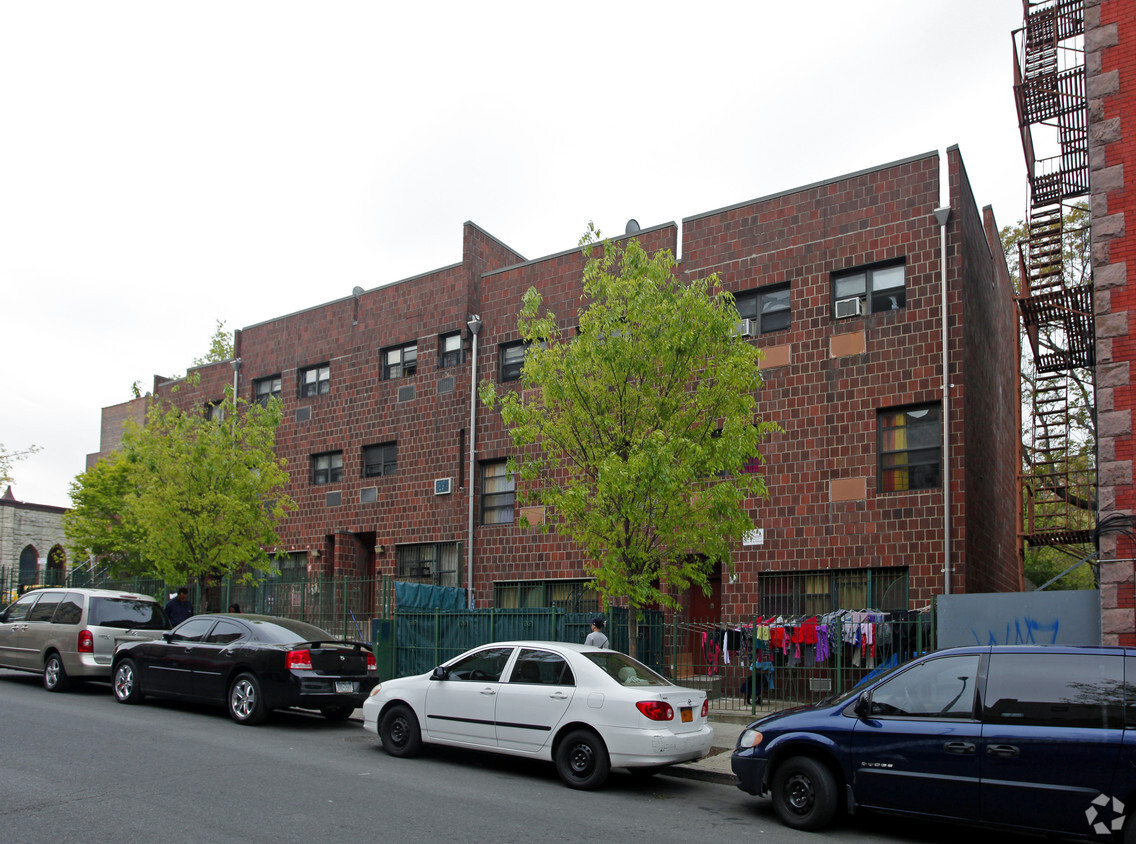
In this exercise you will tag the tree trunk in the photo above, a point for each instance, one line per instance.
(632, 633)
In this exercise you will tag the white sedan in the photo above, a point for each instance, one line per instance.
(586, 709)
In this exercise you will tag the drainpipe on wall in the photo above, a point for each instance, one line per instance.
(474, 325)
(943, 215)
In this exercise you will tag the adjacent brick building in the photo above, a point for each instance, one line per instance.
(841, 284)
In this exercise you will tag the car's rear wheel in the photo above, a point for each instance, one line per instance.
(582, 760)
(337, 713)
(804, 793)
(400, 732)
(55, 677)
(125, 682)
(246, 705)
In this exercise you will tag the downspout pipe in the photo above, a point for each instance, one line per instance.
(943, 215)
(474, 326)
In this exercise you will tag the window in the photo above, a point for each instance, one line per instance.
(910, 449)
(568, 595)
(450, 349)
(497, 494)
(937, 688)
(431, 562)
(45, 607)
(193, 630)
(225, 632)
(543, 668)
(327, 468)
(215, 410)
(264, 389)
(1055, 690)
(400, 361)
(878, 288)
(512, 360)
(767, 307)
(485, 666)
(315, 380)
(818, 592)
(380, 460)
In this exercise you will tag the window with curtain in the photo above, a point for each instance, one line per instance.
(910, 449)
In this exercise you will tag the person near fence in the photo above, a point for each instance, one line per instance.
(179, 607)
(236, 608)
(597, 638)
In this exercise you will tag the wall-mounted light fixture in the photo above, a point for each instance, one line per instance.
(379, 549)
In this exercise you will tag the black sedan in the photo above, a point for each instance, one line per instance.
(250, 663)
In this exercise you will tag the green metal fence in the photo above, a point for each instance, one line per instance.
(746, 665)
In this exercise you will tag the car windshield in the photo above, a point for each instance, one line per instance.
(625, 670)
(128, 613)
(286, 631)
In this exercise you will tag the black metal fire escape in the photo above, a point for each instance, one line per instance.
(1058, 496)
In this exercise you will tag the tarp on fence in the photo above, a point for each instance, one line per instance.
(425, 596)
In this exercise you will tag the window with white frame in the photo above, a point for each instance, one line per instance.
(327, 468)
(400, 361)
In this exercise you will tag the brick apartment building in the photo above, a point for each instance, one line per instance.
(1110, 66)
(842, 285)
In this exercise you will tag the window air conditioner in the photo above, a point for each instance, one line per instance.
(443, 486)
(849, 307)
(747, 328)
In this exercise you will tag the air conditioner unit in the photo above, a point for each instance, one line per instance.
(849, 307)
(746, 328)
(443, 486)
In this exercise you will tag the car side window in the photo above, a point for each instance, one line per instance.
(193, 630)
(1055, 690)
(483, 666)
(541, 668)
(937, 688)
(19, 610)
(45, 606)
(70, 609)
(225, 632)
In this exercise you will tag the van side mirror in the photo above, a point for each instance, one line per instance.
(440, 673)
(863, 707)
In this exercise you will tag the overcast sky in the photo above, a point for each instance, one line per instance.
(164, 165)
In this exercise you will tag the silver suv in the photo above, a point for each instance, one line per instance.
(72, 633)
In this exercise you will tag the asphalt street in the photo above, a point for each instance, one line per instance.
(80, 766)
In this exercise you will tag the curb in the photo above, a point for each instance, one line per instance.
(702, 774)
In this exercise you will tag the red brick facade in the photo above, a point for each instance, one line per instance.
(827, 380)
(1110, 64)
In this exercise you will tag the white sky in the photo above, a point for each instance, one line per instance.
(164, 165)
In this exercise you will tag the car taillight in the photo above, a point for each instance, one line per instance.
(656, 710)
(86, 642)
(706, 708)
(301, 660)
(371, 664)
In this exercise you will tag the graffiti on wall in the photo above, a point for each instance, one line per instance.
(1023, 630)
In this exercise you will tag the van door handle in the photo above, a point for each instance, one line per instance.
(1006, 751)
(959, 747)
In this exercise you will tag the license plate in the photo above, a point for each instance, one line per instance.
(344, 687)
(687, 714)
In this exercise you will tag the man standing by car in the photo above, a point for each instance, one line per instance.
(179, 608)
(597, 638)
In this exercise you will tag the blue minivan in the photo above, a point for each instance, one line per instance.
(1034, 738)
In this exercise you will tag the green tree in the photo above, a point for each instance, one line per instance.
(186, 496)
(1044, 562)
(220, 347)
(7, 458)
(638, 434)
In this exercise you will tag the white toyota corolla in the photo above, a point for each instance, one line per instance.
(586, 709)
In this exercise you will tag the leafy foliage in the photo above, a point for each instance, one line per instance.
(7, 458)
(638, 434)
(186, 496)
(220, 347)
